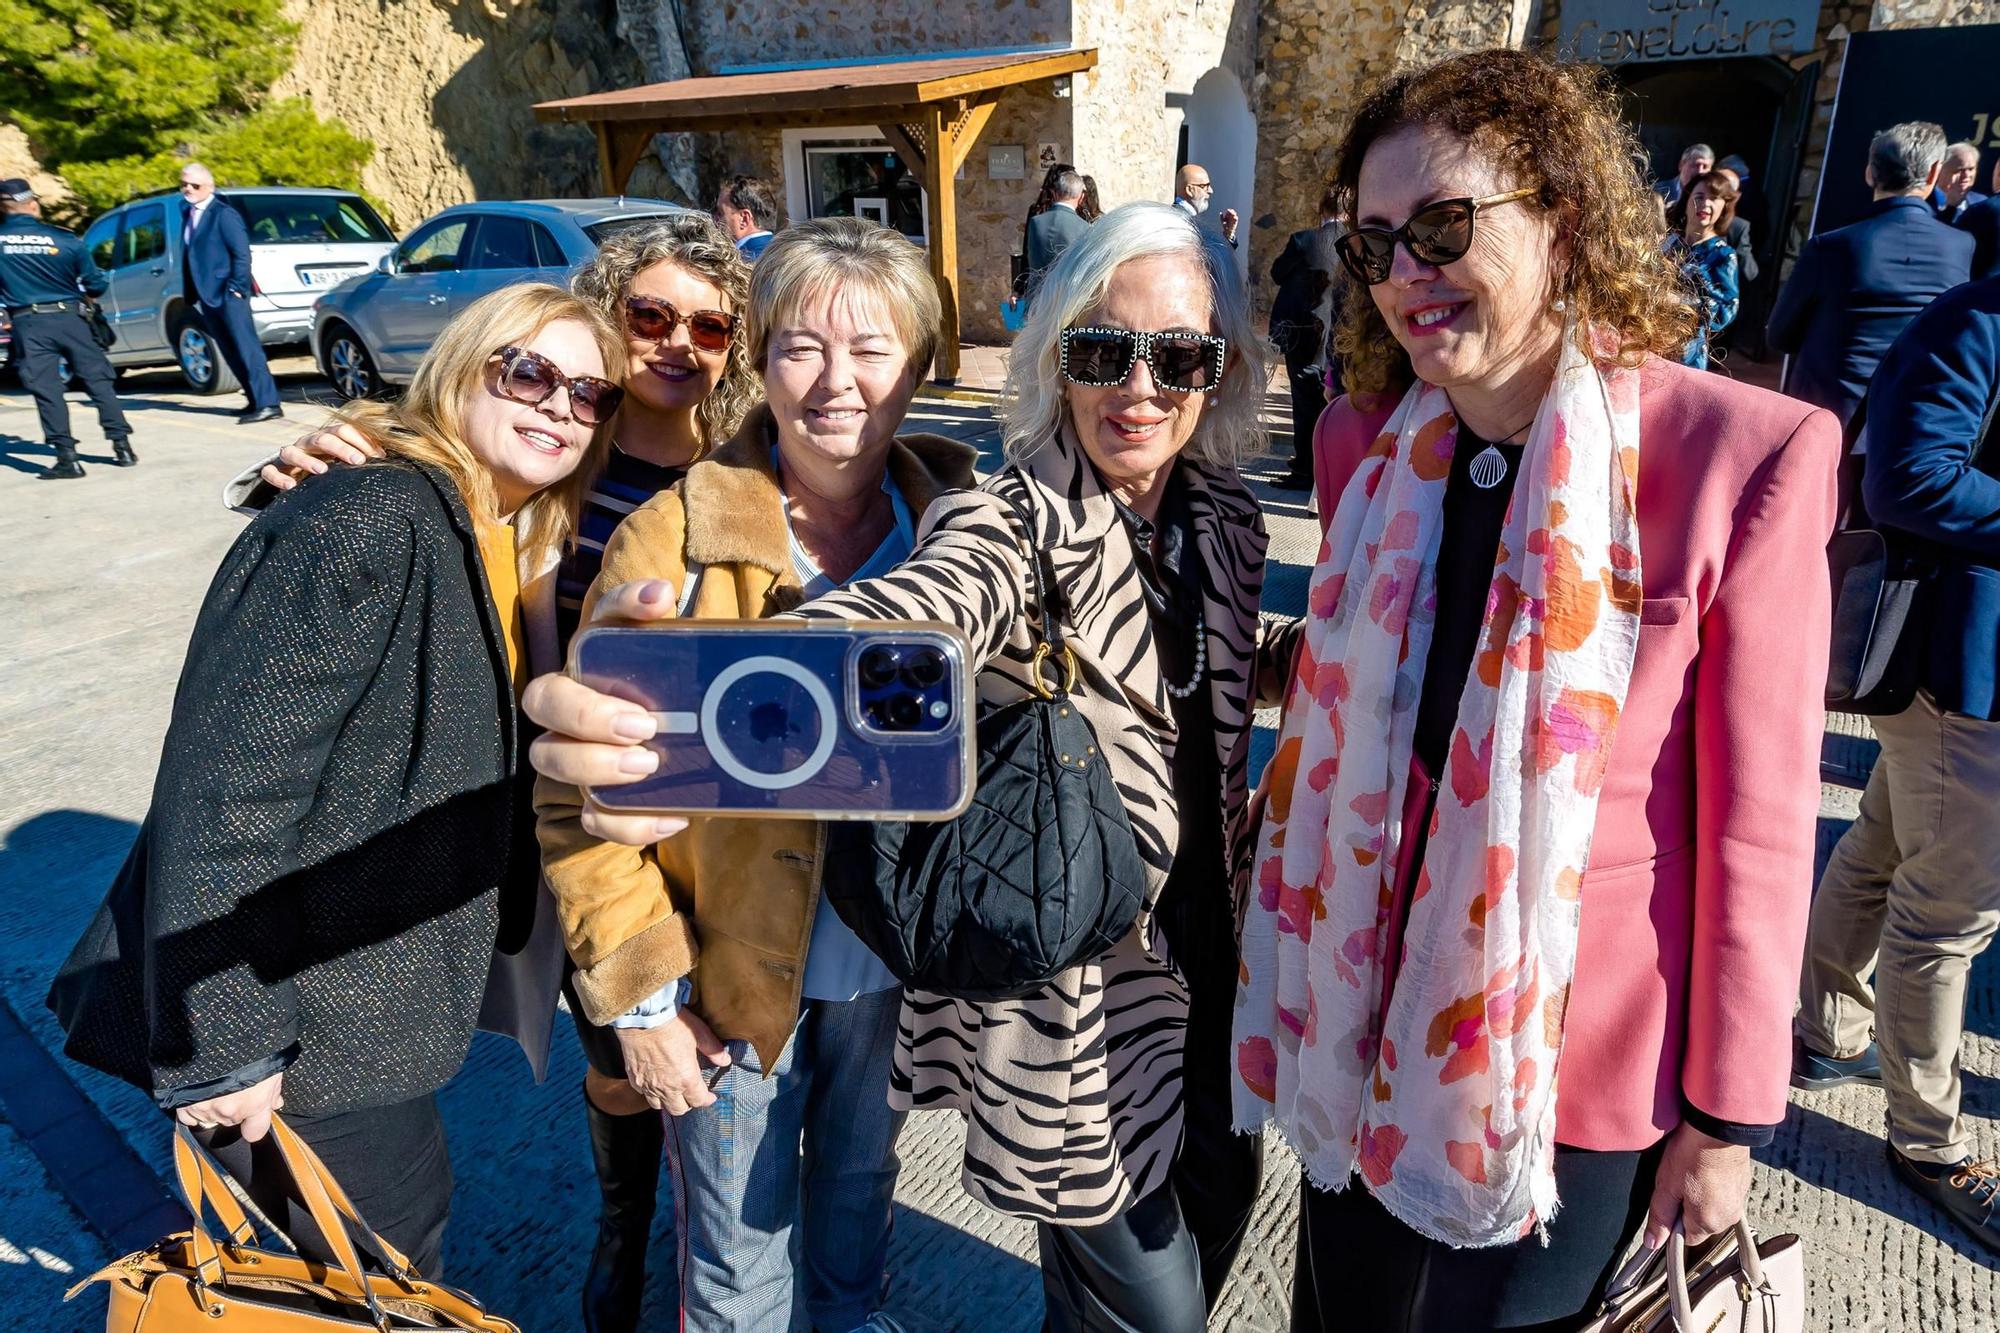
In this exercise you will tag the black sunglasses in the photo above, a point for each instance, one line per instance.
(1183, 362)
(531, 378)
(1435, 234)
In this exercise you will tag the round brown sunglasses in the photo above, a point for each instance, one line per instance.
(655, 321)
(531, 378)
(1435, 234)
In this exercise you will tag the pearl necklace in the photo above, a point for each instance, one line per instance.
(1200, 660)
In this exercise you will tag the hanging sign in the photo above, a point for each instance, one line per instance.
(1626, 32)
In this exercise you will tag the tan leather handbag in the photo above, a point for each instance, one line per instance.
(1730, 1283)
(190, 1280)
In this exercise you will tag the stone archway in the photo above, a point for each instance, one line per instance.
(1222, 136)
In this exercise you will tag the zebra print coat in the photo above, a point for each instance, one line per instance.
(1072, 1095)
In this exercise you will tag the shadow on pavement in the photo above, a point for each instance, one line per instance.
(33, 455)
(944, 1279)
(1853, 1163)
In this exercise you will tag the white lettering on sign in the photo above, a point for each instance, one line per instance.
(1621, 32)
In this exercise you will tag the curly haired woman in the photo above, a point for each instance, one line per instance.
(1547, 782)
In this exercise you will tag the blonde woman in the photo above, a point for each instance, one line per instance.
(336, 840)
(754, 1018)
(1099, 1106)
(678, 288)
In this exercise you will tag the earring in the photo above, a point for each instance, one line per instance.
(1558, 305)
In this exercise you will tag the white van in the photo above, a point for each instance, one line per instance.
(302, 243)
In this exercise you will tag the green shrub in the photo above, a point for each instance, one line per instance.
(117, 94)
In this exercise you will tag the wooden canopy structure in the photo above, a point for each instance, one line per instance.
(931, 111)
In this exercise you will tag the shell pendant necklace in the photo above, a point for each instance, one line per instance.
(1489, 466)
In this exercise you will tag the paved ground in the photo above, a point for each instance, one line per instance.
(101, 580)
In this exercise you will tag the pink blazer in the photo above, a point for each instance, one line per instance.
(1701, 871)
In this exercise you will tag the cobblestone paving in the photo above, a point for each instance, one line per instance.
(101, 580)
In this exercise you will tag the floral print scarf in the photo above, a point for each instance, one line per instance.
(1444, 1099)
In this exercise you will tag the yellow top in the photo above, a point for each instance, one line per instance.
(503, 577)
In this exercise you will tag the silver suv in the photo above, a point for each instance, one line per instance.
(302, 243)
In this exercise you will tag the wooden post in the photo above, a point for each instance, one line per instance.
(939, 168)
(619, 148)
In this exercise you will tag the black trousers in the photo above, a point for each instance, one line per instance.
(38, 341)
(391, 1160)
(1159, 1266)
(1308, 401)
(1362, 1271)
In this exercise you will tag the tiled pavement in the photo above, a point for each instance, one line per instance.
(100, 583)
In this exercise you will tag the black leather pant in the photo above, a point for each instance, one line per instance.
(1159, 1266)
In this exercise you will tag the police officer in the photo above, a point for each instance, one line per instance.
(45, 273)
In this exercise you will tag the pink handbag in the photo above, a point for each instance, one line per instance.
(1730, 1283)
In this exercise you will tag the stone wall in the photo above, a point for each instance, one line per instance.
(736, 33)
(1934, 13)
(1314, 62)
(1130, 109)
(443, 89)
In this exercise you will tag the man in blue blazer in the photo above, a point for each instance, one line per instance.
(215, 244)
(1855, 288)
(1954, 193)
(1913, 889)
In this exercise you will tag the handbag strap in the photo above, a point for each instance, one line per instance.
(1047, 590)
(1678, 1296)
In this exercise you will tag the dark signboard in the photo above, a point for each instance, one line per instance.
(1939, 74)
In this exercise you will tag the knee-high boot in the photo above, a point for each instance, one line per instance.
(627, 1151)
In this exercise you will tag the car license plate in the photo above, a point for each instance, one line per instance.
(328, 277)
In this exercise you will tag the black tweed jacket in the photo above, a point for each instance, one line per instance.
(337, 828)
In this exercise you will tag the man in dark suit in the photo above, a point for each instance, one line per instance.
(1923, 859)
(1954, 193)
(1304, 274)
(1054, 230)
(215, 244)
(1855, 288)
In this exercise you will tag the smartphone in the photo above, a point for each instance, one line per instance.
(812, 719)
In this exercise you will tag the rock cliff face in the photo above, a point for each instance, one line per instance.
(17, 159)
(443, 89)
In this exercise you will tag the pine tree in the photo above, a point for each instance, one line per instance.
(116, 94)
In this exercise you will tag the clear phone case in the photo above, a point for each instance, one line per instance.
(812, 719)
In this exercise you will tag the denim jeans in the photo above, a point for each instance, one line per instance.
(814, 1142)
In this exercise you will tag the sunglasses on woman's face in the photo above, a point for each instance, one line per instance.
(655, 321)
(531, 378)
(1436, 234)
(1183, 362)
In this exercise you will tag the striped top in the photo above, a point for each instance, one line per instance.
(625, 484)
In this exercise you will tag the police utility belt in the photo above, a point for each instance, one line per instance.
(47, 308)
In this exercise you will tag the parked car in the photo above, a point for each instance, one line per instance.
(371, 331)
(302, 242)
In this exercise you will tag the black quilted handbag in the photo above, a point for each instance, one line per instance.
(1040, 874)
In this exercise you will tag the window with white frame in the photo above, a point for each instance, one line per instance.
(852, 173)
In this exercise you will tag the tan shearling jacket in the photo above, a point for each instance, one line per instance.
(728, 903)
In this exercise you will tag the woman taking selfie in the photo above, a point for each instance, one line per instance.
(758, 1022)
(1132, 396)
(679, 289)
(336, 839)
(1546, 784)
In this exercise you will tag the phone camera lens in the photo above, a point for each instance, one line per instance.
(923, 669)
(878, 667)
(906, 712)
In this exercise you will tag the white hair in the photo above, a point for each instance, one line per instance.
(1035, 400)
(202, 175)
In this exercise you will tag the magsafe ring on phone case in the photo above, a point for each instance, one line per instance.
(820, 719)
